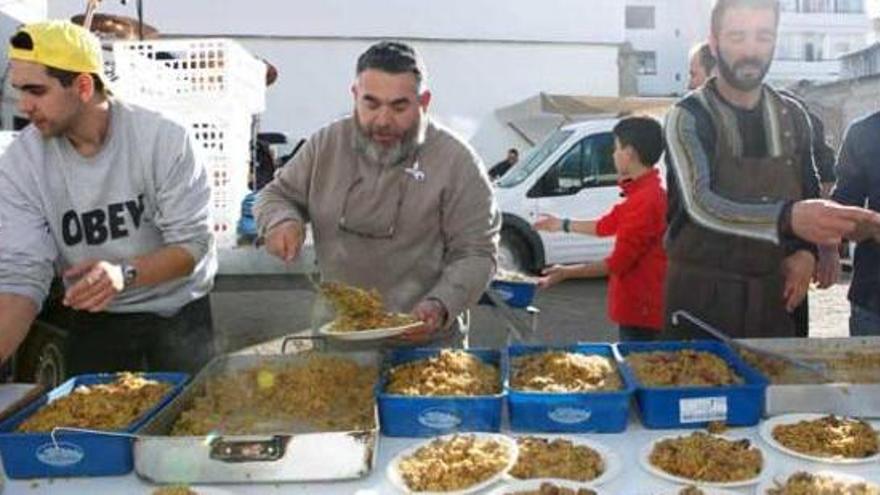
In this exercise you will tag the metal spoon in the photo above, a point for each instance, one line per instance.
(817, 368)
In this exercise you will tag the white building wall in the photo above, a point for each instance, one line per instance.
(679, 25)
(830, 34)
(577, 21)
(479, 56)
(316, 75)
(13, 14)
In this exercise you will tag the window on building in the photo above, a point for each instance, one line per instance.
(646, 63)
(810, 52)
(788, 47)
(788, 5)
(640, 17)
(814, 47)
(817, 5)
(850, 6)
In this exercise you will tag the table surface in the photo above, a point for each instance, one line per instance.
(632, 480)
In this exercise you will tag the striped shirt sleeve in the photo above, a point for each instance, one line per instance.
(689, 162)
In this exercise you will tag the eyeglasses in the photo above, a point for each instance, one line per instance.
(366, 224)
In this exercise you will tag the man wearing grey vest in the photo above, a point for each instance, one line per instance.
(396, 202)
(106, 196)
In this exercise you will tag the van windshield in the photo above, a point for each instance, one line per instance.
(533, 159)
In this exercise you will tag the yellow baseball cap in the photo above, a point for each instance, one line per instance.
(62, 45)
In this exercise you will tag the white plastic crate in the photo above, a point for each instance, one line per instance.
(222, 143)
(189, 73)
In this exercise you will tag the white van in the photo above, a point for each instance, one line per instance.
(570, 174)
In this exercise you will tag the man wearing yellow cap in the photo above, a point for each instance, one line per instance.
(106, 196)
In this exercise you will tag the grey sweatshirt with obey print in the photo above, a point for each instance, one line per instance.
(141, 192)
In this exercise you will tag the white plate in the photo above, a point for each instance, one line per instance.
(766, 432)
(372, 334)
(397, 480)
(768, 482)
(645, 460)
(705, 490)
(534, 484)
(199, 489)
(613, 464)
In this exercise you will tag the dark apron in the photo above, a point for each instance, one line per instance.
(734, 283)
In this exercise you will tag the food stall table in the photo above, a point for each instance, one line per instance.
(632, 480)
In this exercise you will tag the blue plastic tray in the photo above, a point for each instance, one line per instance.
(695, 407)
(408, 416)
(515, 294)
(580, 412)
(35, 455)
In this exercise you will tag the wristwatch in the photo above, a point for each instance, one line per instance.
(566, 225)
(129, 274)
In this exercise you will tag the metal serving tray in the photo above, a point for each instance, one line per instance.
(802, 393)
(300, 454)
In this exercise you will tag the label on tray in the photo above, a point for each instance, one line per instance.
(569, 415)
(439, 419)
(62, 454)
(702, 410)
(506, 295)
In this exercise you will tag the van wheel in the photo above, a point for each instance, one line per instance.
(42, 358)
(514, 253)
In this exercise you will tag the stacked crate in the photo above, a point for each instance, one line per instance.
(214, 87)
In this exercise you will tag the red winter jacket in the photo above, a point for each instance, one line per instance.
(637, 265)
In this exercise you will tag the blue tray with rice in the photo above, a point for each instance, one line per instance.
(37, 455)
(516, 293)
(695, 407)
(428, 416)
(569, 412)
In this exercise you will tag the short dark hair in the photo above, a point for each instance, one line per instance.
(393, 57)
(23, 41)
(722, 6)
(644, 134)
(514, 151)
(706, 58)
(66, 78)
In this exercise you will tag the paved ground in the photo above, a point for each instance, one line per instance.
(250, 310)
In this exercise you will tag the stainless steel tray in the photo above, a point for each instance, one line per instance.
(289, 456)
(804, 394)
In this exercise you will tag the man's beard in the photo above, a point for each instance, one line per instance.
(731, 73)
(388, 155)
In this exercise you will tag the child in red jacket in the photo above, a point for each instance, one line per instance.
(637, 265)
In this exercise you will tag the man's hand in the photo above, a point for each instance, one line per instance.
(828, 267)
(98, 284)
(864, 231)
(798, 271)
(433, 315)
(548, 223)
(285, 240)
(552, 276)
(825, 222)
